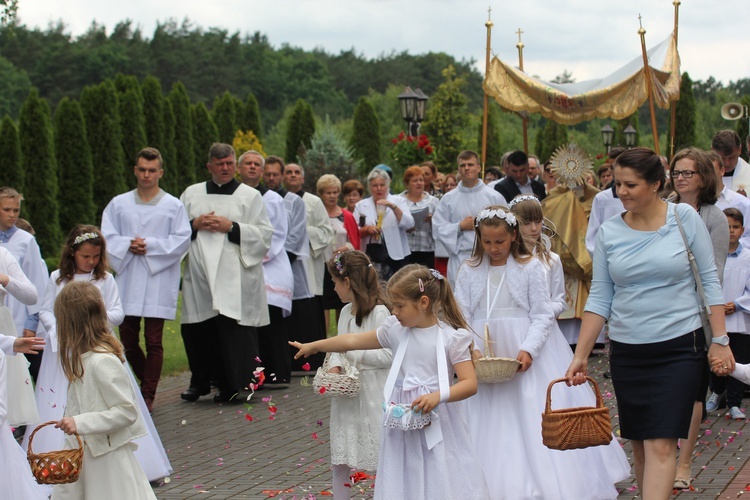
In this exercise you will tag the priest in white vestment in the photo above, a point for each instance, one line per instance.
(453, 221)
(223, 295)
(147, 233)
(277, 272)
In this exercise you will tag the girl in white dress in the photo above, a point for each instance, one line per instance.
(507, 289)
(15, 474)
(101, 404)
(419, 461)
(83, 258)
(356, 421)
(21, 406)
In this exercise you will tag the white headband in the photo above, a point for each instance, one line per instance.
(508, 217)
(523, 197)
(85, 236)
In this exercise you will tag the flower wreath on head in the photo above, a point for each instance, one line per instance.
(523, 197)
(508, 217)
(337, 262)
(84, 237)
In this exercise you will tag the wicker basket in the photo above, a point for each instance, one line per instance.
(574, 428)
(336, 385)
(492, 370)
(55, 467)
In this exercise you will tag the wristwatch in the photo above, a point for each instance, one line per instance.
(723, 340)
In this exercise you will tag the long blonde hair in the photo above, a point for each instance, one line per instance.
(415, 280)
(528, 209)
(82, 327)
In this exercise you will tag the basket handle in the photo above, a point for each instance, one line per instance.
(488, 351)
(346, 367)
(29, 452)
(548, 405)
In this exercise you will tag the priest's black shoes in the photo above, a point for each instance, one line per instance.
(230, 396)
(193, 393)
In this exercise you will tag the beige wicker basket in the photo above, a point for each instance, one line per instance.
(55, 467)
(336, 385)
(492, 370)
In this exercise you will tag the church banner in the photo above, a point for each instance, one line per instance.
(617, 95)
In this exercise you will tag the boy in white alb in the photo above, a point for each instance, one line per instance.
(147, 233)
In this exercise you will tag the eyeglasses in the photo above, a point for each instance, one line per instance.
(686, 174)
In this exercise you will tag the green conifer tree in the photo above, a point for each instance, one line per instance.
(743, 126)
(447, 117)
(365, 140)
(75, 170)
(101, 114)
(11, 173)
(684, 132)
(225, 116)
(250, 116)
(132, 125)
(621, 125)
(38, 163)
(183, 137)
(169, 180)
(555, 135)
(153, 113)
(328, 154)
(299, 131)
(205, 133)
(494, 149)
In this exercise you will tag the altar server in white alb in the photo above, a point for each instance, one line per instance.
(24, 248)
(453, 221)
(277, 272)
(223, 293)
(147, 233)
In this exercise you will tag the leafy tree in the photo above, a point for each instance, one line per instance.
(11, 173)
(446, 117)
(494, 149)
(621, 125)
(684, 134)
(300, 130)
(102, 117)
(555, 135)
(224, 115)
(170, 178)
(742, 125)
(328, 154)
(204, 134)
(249, 118)
(539, 145)
(153, 113)
(8, 11)
(365, 140)
(183, 138)
(132, 126)
(245, 141)
(14, 87)
(76, 172)
(38, 163)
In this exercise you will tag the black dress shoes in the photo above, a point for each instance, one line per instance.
(230, 396)
(193, 393)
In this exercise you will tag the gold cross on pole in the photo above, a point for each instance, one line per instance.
(639, 20)
(519, 33)
(489, 13)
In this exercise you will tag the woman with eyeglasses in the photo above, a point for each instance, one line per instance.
(643, 283)
(695, 183)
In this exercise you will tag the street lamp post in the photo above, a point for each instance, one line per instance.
(608, 133)
(630, 132)
(412, 105)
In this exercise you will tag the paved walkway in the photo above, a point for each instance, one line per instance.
(278, 447)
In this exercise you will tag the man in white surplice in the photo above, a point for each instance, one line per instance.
(223, 294)
(277, 271)
(147, 233)
(453, 221)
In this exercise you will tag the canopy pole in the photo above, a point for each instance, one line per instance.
(649, 88)
(673, 104)
(524, 120)
(488, 25)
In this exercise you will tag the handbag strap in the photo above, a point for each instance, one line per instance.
(693, 266)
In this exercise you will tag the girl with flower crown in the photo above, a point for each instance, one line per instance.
(356, 421)
(425, 452)
(83, 258)
(505, 289)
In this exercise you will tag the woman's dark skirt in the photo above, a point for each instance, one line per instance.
(331, 299)
(657, 384)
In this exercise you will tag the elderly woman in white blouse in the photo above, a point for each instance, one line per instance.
(386, 220)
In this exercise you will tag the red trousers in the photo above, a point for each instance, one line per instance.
(147, 367)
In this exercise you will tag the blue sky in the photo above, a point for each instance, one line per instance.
(589, 38)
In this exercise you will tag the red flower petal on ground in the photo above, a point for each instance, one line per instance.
(306, 367)
(249, 418)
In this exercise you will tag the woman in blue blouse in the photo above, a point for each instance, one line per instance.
(642, 283)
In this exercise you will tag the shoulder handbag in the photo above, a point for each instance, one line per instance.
(703, 306)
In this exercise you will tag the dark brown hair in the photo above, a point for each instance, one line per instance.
(149, 154)
(704, 168)
(735, 214)
(67, 256)
(645, 163)
(725, 142)
(352, 185)
(363, 279)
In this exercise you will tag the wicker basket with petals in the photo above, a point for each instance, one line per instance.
(55, 467)
(336, 385)
(492, 370)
